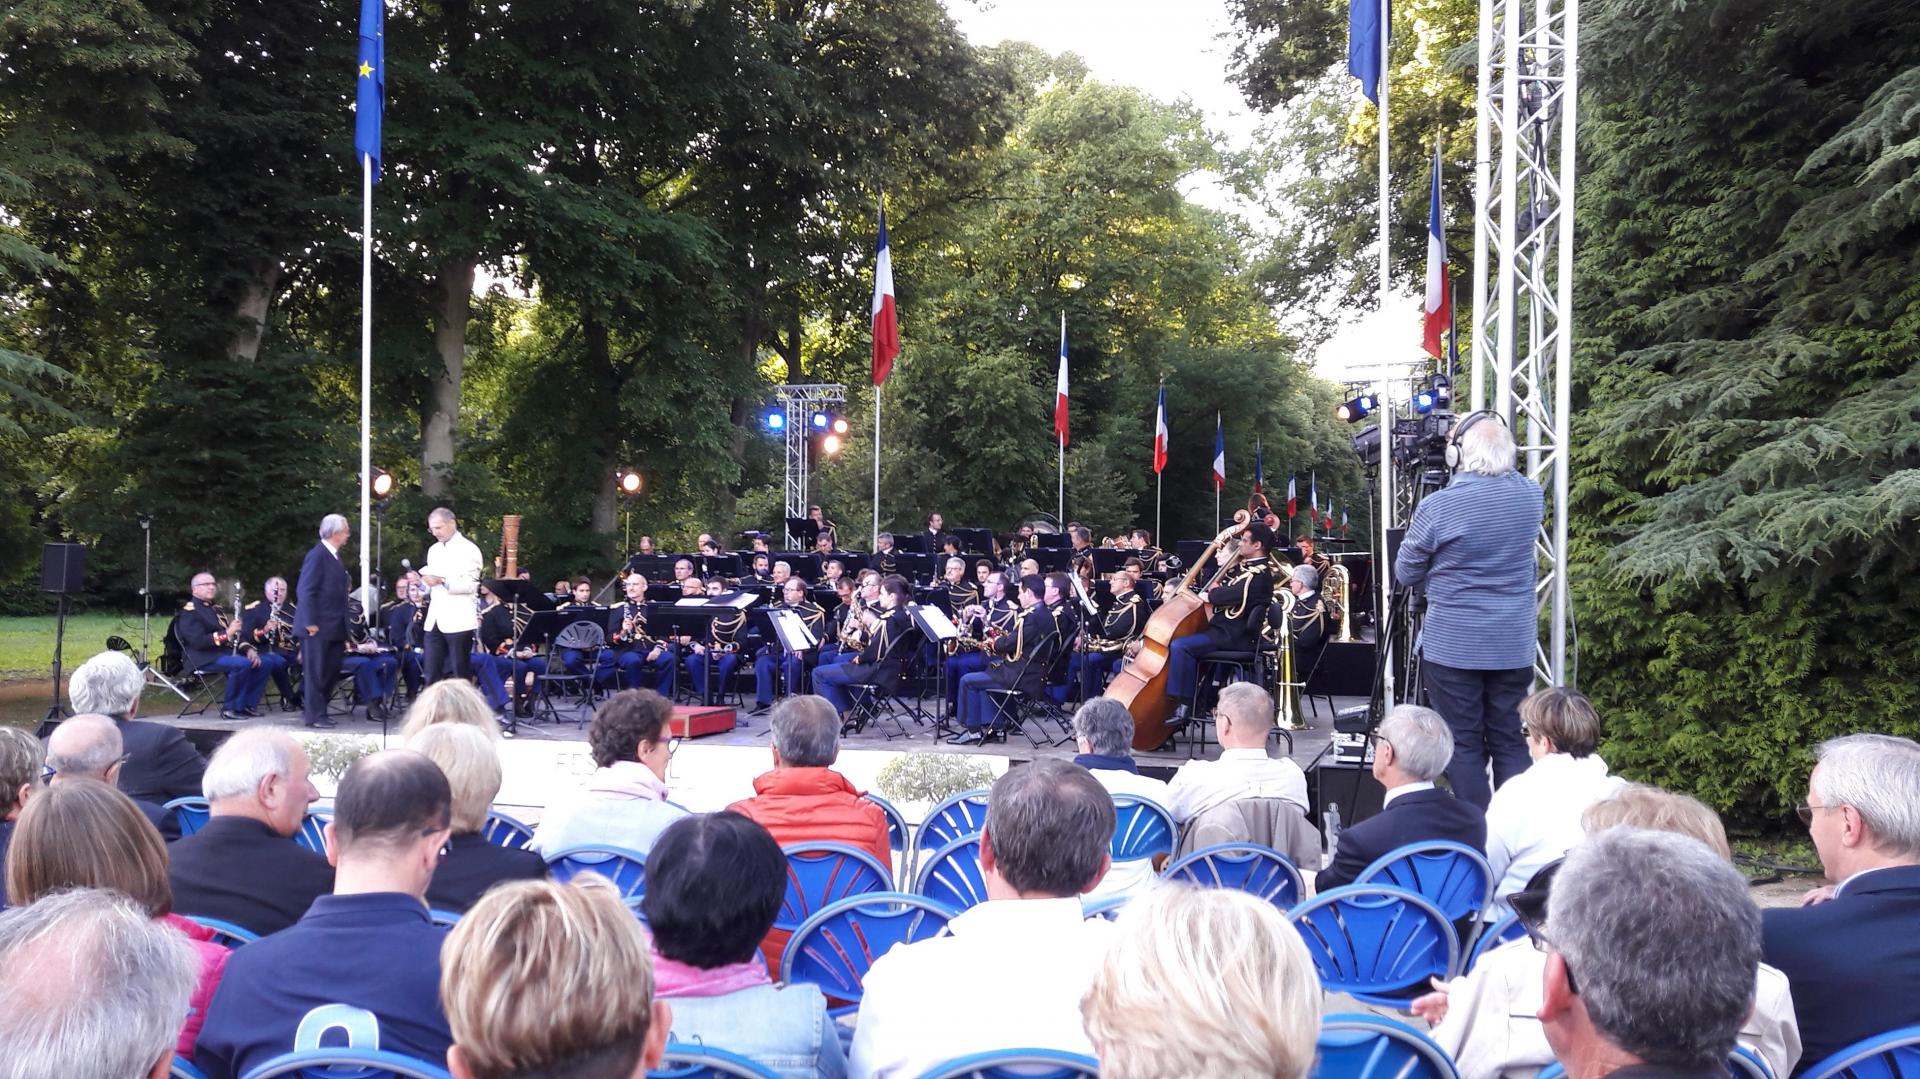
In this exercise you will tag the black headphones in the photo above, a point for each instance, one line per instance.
(1460, 431)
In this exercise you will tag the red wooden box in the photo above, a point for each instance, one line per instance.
(696, 720)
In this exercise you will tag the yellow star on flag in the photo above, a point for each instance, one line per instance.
(366, 69)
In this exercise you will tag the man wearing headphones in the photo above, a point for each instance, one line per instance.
(1471, 547)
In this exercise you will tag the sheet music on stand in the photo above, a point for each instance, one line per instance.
(934, 622)
(792, 631)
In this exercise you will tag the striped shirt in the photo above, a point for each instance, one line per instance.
(1471, 547)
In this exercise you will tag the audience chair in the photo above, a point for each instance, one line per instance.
(898, 832)
(445, 919)
(1887, 1056)
(1274, 823)
(627, 869)
(686, 1061)
(1451, 876)
(1377, 944)
(183, 1068)
(504, 831)
(952, 875)
(332, 1064)
(190, 813)
(1493, 936)
(1355, 1046)
(1105, 909)
(1142, 828)
(1248, 867)
(1742, 1063)
(225, 933)
(836, 947)
(962, 815)
(821, 874)
(313, 832)
(1024, 1063)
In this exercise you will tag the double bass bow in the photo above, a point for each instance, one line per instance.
(1141, 685)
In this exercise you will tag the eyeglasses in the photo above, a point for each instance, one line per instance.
(1806, 810)
(1536, 933)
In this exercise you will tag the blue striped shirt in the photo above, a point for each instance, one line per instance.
(1471, 546)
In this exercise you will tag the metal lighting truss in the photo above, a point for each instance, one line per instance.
(1523, 263)
(801, 400)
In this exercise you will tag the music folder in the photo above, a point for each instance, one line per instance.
(933, 622)
(791, 631)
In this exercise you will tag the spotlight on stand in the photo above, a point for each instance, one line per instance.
(1442, 389)
(627, 482)
(820, 421)
(1423, 402)
(776, 420)
(840, 425)
(380, 483)
(1357, 409)
(830, 445)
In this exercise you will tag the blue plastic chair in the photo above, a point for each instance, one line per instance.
(1023, 1063)
(191, 814)
(1142, 828)
(1742, 1063)
(1106, 909)
(952, 876)
(327, 1064)
(1452, 876)
(627, 869)
(898, 832)
(960, 816)
(684, 1061)
(1886, 1056)
(503, 831)
(446, 919)
(1493, 936)
(836, 947)
(313, 832)
(1249, 867)
(1354, 1046)
(227, 933)
(183, 1069)
(819, 874)
(1375, 943)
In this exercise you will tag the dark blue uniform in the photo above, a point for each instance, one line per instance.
(765, 663)
(202, 630)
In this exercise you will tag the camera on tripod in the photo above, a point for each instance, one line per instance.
(1420, 448)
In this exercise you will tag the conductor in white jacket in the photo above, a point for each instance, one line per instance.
(452, 577)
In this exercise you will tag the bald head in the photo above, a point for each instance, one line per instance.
(87, 746)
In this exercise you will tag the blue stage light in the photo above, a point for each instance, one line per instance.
(1423, 401)
(776, 421)
(820, 420)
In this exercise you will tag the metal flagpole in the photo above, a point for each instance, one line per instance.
(1158, 482)
(366, 364)
(1060, 509)
(1380, 559)
(1216, 487)
(876, 468)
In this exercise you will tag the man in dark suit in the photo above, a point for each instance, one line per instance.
(1410, 751)
(243, 866)
(322, 602)
(88, 746)
(1852, 950)
(161, 764)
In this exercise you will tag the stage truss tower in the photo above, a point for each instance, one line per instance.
(801, 401)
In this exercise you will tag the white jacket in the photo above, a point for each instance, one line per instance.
(450, 604)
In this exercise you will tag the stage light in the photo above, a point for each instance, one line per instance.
(1423, 402)
(776, 420)
(627, 482)
(1355, 410)
(1442, 389)
(830, 445)
(820, 420)
(839, 425)
(381, 483)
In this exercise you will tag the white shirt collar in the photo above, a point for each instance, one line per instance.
(1407, 789)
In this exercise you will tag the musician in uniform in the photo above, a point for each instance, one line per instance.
(760, 574)
(1057, 593)
(400, 623)
(720, 651)
(1016, 660)
(1145, 551)
(1099, 653)
(683, 571)
(792, 598)
(634, 652)
(1307, 620)
(936, 526)
(832, 570)
(1322, 567)
(581, 605)
(375, 671)
(213, 642)
(883, 659)
(492, 667)
(840, 622)
(1239, 602)
(993, 616)
(885, 558)
(1081, 538)
(267, 624)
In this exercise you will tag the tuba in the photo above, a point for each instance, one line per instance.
(1333, 592)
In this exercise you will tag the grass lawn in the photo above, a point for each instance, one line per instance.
(26, 644)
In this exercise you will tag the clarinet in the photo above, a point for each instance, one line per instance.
(236, 617)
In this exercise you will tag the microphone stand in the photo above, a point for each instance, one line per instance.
(152, 674)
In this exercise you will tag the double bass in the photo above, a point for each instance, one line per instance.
(1142, 684)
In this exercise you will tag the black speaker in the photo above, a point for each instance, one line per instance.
(62, 565)
(1350, 783)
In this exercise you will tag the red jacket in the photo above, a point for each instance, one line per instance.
(213, 963)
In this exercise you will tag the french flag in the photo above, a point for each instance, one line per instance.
(1439, 312)
(1313, 501)
(1060, 387)
(1219, 455)
(1343, 521)
(886, 325)
(1160, 433)
(1293, 506)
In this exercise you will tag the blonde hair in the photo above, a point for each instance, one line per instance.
(1640, 806)
(538, 973)
(22, 758)
(450, 700)
(1203, 981)
(82, 833)
(472, 765)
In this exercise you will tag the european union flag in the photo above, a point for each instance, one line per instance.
(1363, 45)
(371, 79)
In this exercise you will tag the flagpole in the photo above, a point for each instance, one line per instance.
(1386, 395)
(1218, 439)
(1060, 509)
(876, 468)
(366, 359)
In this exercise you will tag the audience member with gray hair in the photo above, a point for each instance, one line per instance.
(1017, 964)
(1410, 751)
(1103, 732)
(320, 597)
(22, 759)
(1243, 718)
(161, 764)
(1852, 950)
(240, 867)
(94, 988)
(1653, 942)
(88, 746)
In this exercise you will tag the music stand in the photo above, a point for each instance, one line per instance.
(804, 564)
(717, 565)
(975, 540)
(934, 624)
(1108, 559)
(912, 543)
(914, 566)
(691, 617)
(1050, 540)
(802, 530)
(1052, 559)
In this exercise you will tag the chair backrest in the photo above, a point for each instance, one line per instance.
(627, 869)
(1269, 822)
(182, 1068)
(822, 873)
(1885, 1056)
(1451, 876)
(1354, 1046)
(191, 814)
(444, 918)
(952, 876)
(1493, 936)
(836, 947)
(1009, 1063)
(313, 832)
(1142, 828)
(330, 1064)
(225, 933)
(898, 833)
(683, 1061)
(1742, 1063)
(964, 814)
(1248, 867)
(504, 831)
(1371, 941)
(581, 634)
(1104, 909)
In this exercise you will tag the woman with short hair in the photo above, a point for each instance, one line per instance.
(450, 700)
(1534, 817)
(625, 801)
(472, 864)
(715, 883)
(22, 760)
(82, 833)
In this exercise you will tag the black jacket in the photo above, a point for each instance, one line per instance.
(1419, 817)
(321, 593)
(161, 764)
(1020, 659)
(1853, 960)
(1238, 606)
(238, 870)
(476, 865)
(202, 630)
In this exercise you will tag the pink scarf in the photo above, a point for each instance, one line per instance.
(672, 978)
